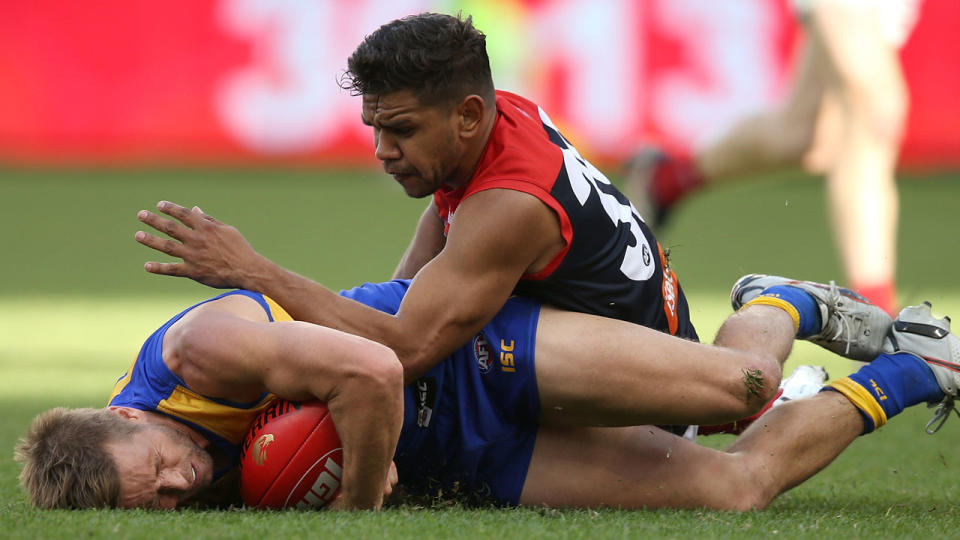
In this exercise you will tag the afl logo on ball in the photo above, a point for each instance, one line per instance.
(260, 448)
(481, 349)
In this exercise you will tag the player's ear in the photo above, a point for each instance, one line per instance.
(470, 113)
(129, 413)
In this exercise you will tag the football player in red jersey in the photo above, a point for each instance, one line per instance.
(514, 209)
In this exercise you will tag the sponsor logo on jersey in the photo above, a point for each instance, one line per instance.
(881, 395)
(506, 356)
(426, 395)
(260, 448)
(481, 350)
(671, 292)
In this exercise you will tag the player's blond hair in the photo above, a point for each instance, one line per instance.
(65, 464)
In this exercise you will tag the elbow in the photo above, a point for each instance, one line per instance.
(414, 359)
(377, 372)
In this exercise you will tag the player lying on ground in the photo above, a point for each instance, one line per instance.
(503, 416)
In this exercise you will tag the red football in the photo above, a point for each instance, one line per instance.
(291, 457)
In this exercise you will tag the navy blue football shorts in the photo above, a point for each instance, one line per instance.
(470, 423)
(499, 403)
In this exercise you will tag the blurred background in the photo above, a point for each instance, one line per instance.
(107, 107)
(231, 82)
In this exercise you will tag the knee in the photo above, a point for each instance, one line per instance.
(796, 135)
(757, 384)
(742, 490)
(760, 380)
(880, 109)
(752, 487)
(748, 498)
(749, 388)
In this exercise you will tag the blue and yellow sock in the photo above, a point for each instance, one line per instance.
(797, 302)
(886, 386)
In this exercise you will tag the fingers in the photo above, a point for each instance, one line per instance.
(166, 226)
(392, 476)
(202, 214)
(191, 217)
(166, 269)
(164, 245)
(181, 213)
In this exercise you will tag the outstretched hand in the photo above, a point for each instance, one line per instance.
(212, 252)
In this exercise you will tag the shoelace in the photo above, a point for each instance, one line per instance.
(844, 329)
(944, 408)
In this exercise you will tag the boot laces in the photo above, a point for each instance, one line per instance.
(940, 415)
(844, 314)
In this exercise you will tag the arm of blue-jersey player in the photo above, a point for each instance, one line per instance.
(228, 349)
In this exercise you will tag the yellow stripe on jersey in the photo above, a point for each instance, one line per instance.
(122, 383)
(777, 303)
(279, 314)
(861, 399)
(229, 422)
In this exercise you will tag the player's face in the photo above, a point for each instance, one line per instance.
(159, 467)
(417, 144)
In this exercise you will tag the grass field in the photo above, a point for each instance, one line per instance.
(75, 305)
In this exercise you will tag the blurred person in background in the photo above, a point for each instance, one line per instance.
(844, 118)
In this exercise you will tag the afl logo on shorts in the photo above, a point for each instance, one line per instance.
(481, 349)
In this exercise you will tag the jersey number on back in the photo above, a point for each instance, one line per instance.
(637, 263)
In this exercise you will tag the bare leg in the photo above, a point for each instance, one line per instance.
(774, 138)
(594, 371)
(865, 75)
(643, 466)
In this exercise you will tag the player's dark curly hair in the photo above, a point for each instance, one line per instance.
(441, 58)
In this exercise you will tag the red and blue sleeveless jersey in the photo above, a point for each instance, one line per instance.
(611, 264)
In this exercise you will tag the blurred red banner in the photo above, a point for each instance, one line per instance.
(254, 81)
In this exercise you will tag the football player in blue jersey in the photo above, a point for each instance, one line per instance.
(507, 415)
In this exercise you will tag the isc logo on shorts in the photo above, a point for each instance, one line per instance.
(481, 350)
(506, 356)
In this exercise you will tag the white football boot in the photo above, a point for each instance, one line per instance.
(850, 326)
(918, 332)
(805, 381)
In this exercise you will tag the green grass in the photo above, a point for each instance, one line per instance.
(75, 305)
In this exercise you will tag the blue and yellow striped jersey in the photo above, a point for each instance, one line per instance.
(149, 385)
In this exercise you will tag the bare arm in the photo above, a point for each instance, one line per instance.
(496, 237)
(220, 352)
(427, 242)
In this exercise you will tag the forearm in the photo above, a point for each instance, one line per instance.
(362, 384)
(369, 437)
(304, 299)
(309, 301)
